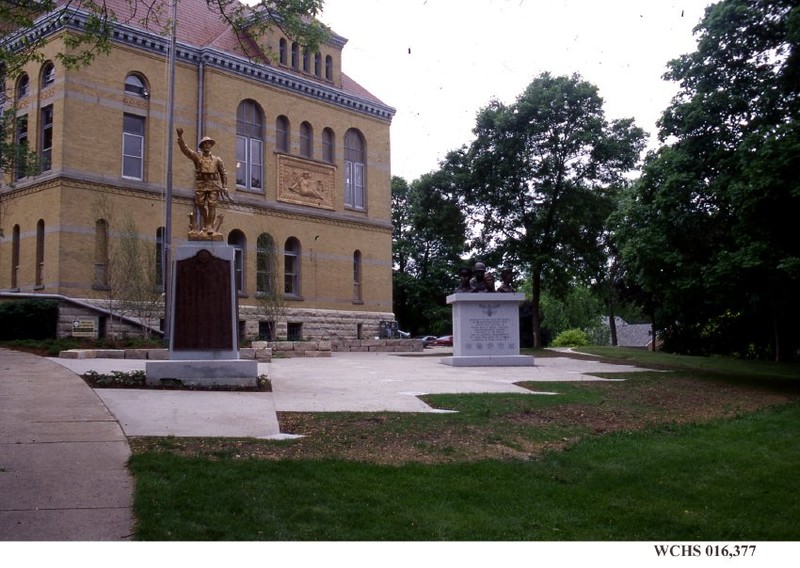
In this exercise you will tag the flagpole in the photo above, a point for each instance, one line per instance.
(167, 253)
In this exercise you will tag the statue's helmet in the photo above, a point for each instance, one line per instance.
(207, 140)
(479, 267)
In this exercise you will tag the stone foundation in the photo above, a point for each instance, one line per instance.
(263, 351)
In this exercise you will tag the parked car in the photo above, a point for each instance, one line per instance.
(443, 341)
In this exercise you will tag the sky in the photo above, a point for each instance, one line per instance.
(438, 62)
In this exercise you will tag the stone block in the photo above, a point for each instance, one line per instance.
(77, 354)
(203, 373)
(247, 353)
(136, 353)
(109, 353)
(158, 354)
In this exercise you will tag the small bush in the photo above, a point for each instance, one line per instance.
(28, 319)
(571, 338)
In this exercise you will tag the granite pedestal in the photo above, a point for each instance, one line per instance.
(486, 331)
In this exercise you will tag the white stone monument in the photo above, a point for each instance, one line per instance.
(486, 330)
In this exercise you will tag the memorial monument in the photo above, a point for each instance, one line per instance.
(486, 321)
(204, 347)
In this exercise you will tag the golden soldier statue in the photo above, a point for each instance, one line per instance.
(211, 180)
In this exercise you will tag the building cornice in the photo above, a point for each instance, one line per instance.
(154, 43)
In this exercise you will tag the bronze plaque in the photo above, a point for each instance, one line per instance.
(203, 310)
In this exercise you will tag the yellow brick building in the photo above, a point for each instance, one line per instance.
(306, 150)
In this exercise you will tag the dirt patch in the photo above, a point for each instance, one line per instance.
(642, 401)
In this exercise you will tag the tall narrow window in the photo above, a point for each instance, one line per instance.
(48, 74)
(249, 146)
(295, 55)
(328, 146)
(329, 68)
(160, 258)
(265, 261)
(15, 257)
(283, 48)
(100, 255)
(21, 135)
(237, 240)
(318, 64)
(357, 277)
(306, 140)
(306, 61)
(354, 170)
(132, 146)
(46, 138)
(282, 134)
(291, 267)
(40, 254)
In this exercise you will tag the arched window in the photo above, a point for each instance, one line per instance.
(282, 134)
(329, 68)
(354, 170)
(318, 64)
(100, 255)
(135, 85)
(283, 48)
(306, 140)
(15, 257)
(160, 258)
(40, 254)
(291, 267)
(48, 74)
(23, 86)
(328, 146)
(357, 277)
(306, 60)
(237, 240)
(265, 264)
(249, 146)
(295, 55)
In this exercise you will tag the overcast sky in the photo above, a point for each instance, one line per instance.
(438, 62)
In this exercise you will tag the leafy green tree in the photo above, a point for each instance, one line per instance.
(709, 234)
(428, 239)
(538, 182)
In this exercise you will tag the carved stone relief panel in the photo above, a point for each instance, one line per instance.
(306, 183)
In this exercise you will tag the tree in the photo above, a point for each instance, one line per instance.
(709, 234)
(537, 181)
(428, 239)
(133, 276)
(295, 18)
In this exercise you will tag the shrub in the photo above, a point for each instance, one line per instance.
(28, 319)
(571, 338)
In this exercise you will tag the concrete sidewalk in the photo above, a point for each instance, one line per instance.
(63, 446)
(63, 457)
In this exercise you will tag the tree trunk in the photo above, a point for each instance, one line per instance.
(612, 322)
(536, 294)
(652, 331)
(776, 333)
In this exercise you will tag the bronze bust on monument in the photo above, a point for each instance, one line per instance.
(210, 185)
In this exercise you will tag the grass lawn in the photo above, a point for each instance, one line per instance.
(708, 450)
